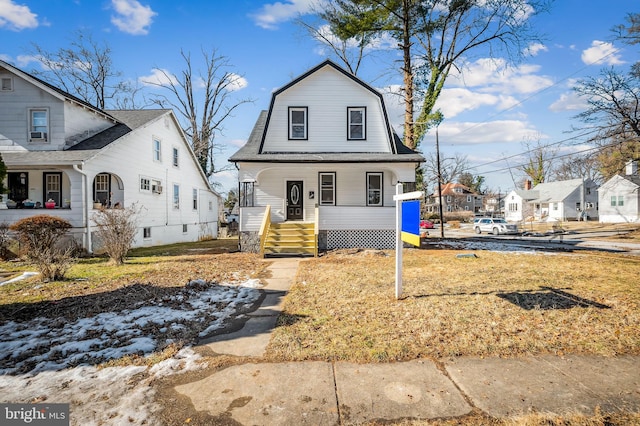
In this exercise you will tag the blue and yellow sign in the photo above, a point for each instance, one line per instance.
(411, 222)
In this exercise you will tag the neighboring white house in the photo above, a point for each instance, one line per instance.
(58, 147)
(620, 197)
(573, 199)
(325, 150)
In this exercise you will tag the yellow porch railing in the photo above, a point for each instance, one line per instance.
(264, 228)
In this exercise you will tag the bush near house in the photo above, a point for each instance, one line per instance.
(117, 230)
(41, 235)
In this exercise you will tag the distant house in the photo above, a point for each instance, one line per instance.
(61, 149)
(572, 199)
(619, 197)
(322, 163)
(455, 198)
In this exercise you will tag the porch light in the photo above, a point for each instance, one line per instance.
(23, 178)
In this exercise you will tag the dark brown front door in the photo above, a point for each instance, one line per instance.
(294, 200)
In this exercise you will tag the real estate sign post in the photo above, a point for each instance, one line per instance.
(407, 227)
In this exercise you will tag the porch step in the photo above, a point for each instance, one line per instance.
(293, 238)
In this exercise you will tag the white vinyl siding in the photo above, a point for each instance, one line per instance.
(327, 94)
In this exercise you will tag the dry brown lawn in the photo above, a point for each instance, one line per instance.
(342, 306)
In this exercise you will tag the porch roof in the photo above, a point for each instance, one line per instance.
(46, 158)
(250, 152)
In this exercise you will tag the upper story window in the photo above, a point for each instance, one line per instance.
(357, 117)
(38, 125)
(298, 123)
(374, 189)
(176, 157)
(157, 150)
(195, 199)
(6, 84)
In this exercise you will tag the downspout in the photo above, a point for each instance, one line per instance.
(85, 212)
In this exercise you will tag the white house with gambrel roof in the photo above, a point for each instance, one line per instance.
(324, 155)
(57, 147)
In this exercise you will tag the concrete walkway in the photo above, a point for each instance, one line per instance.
(322, 393)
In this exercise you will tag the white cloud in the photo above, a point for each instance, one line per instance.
(132, 17)
(495, 75)
(16, 17)
(601, 52)
(569, 101)
(158, 77)
(492, 132)
(237, 82)
(535, 48)
(270, 15)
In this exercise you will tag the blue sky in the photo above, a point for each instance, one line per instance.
(489, 113)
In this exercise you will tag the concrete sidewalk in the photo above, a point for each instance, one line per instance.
(322, 393)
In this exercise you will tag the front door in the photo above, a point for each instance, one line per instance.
(18, 186)
(294, 200)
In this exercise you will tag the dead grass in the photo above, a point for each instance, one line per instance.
(94, 285)
(342, 306)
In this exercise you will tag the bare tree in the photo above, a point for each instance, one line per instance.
(540, 161)
(85, 69)
(451, 168)
(203, 112)
(578, 166)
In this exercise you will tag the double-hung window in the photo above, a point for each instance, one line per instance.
(374, 189)
(327, 189)
(357, 117)
(157, 150)
(176, 157)
(39, 125)
(194, 199)
(246, 194)
(176, 196)
(298, 123)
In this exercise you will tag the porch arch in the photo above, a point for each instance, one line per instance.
(108, 189)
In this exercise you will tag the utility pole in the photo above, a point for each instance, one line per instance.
(439, 185)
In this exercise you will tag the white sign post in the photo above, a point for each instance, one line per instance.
(399, 198)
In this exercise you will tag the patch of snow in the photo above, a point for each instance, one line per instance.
(112, 395)
(20, 277)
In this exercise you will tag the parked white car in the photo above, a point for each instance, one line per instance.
(494, 225)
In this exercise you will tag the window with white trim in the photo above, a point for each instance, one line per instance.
(6, 84)
(145, 184)
(195, 199)
(357, 120)
(146, 232)
(327, 189)
(374, 189)
(176, 196)
(157, 150)
(38, 125)
(298, 123)
(176, 157)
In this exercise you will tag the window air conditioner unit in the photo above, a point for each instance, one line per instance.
(38, 136)
(156, 189)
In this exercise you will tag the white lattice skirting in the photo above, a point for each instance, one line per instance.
(359, 238)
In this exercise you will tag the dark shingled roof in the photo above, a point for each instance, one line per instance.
(129, 120)
(250, 152)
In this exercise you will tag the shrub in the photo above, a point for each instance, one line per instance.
(117, 231)
(40, 236)
(5, 238)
